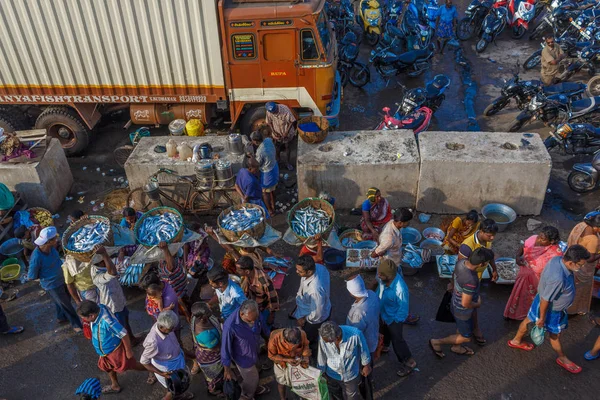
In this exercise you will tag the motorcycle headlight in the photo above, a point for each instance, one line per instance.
(373, 21)
(488, 30)
(563, 130)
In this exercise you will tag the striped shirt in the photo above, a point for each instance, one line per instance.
(177, 277)
(107, 332)
(343, 364)
(261, 290)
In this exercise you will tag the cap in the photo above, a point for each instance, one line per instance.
(271, 107)
(46, 234)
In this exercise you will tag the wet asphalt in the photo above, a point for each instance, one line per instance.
(48, 361)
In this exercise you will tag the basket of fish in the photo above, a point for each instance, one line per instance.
(238, 220)
(350, 237)
(82, 237)
(41, 216)
(507, 270)
(161, 224)
(311, 217)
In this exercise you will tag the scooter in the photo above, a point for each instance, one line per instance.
(348, 67)
(493, 25)
(521, 12)
(370, 19)
(575, 139)
(474, 16)
(418, 121)
(584, 177)
(431, 96)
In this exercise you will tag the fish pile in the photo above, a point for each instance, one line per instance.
(412, 257)
(159, 228)
(434, 236)
(447, 264)
(131, 275)
(507, 270)
(88, 236)
(349, 242)
(309, 222)
(284, 262)
(242, 219)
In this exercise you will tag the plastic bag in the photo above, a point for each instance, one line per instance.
(308, 383)
(232, 390)
(537, 335)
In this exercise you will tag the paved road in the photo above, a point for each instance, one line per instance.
(49, 362)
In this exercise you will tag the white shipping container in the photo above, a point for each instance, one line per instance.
(83, 46)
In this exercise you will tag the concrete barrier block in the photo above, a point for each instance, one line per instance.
(144, 161)
(44, 183)
(461, 171)
(347, 164)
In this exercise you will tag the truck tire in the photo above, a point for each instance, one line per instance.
(12, 119)
(65, 124)
(253, 119)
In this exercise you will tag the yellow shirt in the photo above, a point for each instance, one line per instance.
(82, 280)
(469, 245)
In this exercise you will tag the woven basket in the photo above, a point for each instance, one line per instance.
(159, 211)
(257, 231)
(318, 204)
(34, 210)
(86, 256)
(351, 234)
(313, 137)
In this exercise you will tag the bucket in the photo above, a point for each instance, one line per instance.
(194, 127)
(177, 127)
(501, 213)
(334, 259)
(205, 175)
(12, 247)
(235, 145)
(224, 174)
(205, 150)
(152, 190)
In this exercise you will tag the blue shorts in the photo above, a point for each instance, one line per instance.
(464, 327)
(123, 316)
(556, 321)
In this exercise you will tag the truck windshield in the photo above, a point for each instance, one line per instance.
(323, 27)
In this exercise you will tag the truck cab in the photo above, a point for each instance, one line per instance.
(280, 51)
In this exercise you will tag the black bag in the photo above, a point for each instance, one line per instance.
(444, 313)
(232, 390)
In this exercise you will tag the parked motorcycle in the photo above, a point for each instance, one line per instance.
(348, 67)
(370, 18)
(394, 12)
(418, 121)
(521, 12)
(584, 177)
(523, 91)
(588, 59)
(571, 47)
(389, 64)
(493, 24)
(559, 17)
(575, 139)
(341, 14)
(431, 96)
(474, 16)
(557, 109)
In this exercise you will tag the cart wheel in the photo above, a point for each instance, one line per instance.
(201, 202)
(138, 200)
(121, 154)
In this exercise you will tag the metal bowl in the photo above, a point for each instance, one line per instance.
(502, 214)
(410, 235)
(435, 246)
(365, 244)
(438, 232)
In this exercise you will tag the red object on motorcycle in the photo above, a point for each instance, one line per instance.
(423, 114)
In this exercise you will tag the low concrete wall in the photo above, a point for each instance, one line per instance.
(144, 162)
(44, 183)
(482, 172)
(347, 164)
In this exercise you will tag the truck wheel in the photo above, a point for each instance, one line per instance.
(12, 119)
(253, 119)
(65, 124)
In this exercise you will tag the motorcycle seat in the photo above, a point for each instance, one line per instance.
(411, 56)
(565, 88)
(394, 31)
(587, 104)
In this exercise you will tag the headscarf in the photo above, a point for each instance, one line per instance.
(356, 287)
(371, 193)
(387, 268)
(590, 216)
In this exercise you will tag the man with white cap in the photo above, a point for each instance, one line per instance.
(364, 316)
(46, 265)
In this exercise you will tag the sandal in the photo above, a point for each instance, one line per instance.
(438, 353)
(480, 340)
(571, 367)
(108, 389)
(195, 369)
(522, 346)
(465, 351)
(14, 330)
(185, 396)
(151, 379)
(262, 390)
(412, 319)
(594, 320)
(588, 356)
(405, 370)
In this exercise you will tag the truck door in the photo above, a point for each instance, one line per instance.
(279, 52)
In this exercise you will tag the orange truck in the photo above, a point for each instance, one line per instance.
(64, 64)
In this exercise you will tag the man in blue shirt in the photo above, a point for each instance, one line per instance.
(393, 299)
(344, 357)
(240, 345)
(556, 292)
(228, 293)
(46, 265)
(111, 342)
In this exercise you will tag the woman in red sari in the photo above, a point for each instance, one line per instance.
(376, 212)
(535, 254)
